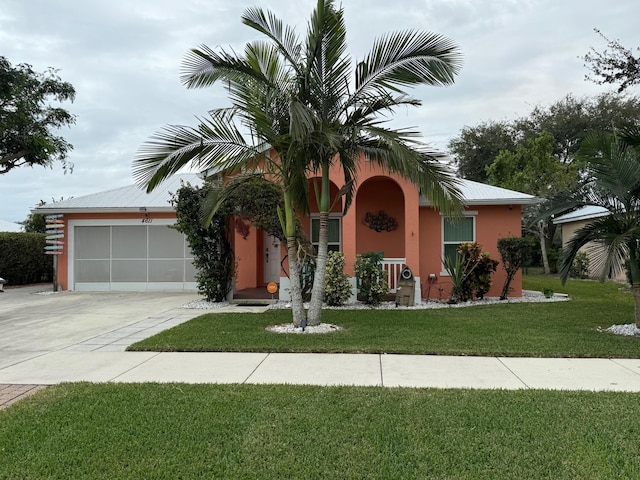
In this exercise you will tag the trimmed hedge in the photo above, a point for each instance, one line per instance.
(22, 258)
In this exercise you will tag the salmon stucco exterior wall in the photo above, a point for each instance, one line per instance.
(491, 223)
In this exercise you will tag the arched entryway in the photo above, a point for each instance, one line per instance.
(380, 222)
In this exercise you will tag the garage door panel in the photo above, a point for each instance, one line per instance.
(166, 270)
(92, 242)
(128, 242)
(165, 242)
(189, 271)
(92, 271)
(128, 270)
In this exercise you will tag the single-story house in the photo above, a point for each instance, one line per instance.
(121, 240)
(571, 222)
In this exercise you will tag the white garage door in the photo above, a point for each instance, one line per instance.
(129, 257)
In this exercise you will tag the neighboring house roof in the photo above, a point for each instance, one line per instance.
(475, 193)
(10, 226)
(124, 199)
(584, 213)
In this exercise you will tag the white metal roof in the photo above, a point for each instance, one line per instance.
(133, 198)
(123, 199)
(584, 213)
(475, 193)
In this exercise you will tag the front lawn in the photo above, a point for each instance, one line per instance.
(169, 431)
(563, 329)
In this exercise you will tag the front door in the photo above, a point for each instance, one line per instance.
(271, 259)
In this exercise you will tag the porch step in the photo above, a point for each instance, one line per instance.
(253, 302)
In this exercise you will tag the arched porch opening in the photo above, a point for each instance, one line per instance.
(380, 223)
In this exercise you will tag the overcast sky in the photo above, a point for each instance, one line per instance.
(123, 58)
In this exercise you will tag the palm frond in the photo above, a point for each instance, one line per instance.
(215, 143)
(267, 23)
(408, 58)
(613, 234)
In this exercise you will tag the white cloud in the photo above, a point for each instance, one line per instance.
(124, 57)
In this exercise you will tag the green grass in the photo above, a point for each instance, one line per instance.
(170, 431)
(562, 329)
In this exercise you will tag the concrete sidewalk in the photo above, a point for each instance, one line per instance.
(328, 369)
(71, 337)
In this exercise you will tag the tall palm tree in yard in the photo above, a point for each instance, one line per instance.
(614, 184)
(349, 107)
(298, 98)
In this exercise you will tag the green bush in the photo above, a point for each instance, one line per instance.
(212, 253)
(515, 252)
(337, 288)
(22, 259)
(580, 266)
(481, 266)
(553, 256)
(372, 283)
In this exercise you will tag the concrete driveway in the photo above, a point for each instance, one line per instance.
(33, 322)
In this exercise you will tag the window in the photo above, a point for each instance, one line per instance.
(455, 232)
(334, 233)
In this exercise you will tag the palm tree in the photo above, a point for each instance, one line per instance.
(613, 166)
(347, 108)
(297, 99)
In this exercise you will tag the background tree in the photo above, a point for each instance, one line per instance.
(534, 169)
(615, 65)
(28, 121)
(477, 147)
(35, 222)
(568, 120)
(571, 119)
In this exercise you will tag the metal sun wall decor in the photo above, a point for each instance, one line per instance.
(380, 222)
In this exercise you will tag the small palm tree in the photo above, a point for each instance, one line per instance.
(613, 166)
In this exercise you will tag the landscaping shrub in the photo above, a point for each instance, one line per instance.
(372, 284)
(470, 272)
(337, 288)
(22, 258)
(212, 253)
(580, 266)
(515, 252)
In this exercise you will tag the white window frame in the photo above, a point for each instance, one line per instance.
(316, 216)
(469, 213)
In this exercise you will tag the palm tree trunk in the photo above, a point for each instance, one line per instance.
(297, 306)
(543, 248)
(317, 294)
(289, 228)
